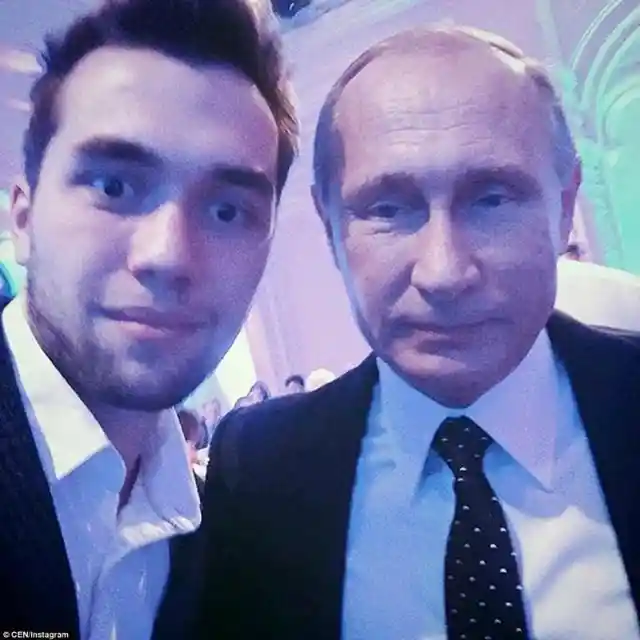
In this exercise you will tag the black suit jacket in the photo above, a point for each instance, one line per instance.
(35, 575)
(281, 475)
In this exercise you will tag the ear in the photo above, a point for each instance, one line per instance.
(569, 198)
(20, 216)
(323, 213)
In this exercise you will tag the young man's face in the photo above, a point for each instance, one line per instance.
(150, 227)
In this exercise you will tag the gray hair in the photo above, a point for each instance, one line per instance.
(328, 154)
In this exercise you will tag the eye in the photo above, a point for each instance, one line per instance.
(493, 200)
(386, 210)
(112, 187)
(225, 212)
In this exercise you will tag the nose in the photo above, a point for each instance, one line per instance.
(444, 266)
(161, 252)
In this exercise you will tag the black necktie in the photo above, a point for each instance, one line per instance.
(483, 594)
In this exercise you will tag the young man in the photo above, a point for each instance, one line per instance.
(160, 138)
(476, 478)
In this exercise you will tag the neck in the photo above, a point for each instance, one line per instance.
(130, 433)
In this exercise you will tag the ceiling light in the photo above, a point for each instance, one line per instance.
(18, 105)
(19, 61)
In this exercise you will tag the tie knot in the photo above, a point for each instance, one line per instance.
(462, 444)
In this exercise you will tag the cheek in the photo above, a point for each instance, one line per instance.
(73, 240)
(518, 270)
(59, 267)
(522, 240)
(232, 280)
(372, 281)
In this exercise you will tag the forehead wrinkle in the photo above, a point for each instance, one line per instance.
(495, 98)
(455, 75)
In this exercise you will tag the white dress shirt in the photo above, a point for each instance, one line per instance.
(119, 560)
(599, 295)
(541, 469)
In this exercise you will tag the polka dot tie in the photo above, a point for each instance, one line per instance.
(483, 594)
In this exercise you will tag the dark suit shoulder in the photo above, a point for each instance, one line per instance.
(265, 436)
(629, 338)
(564, 329)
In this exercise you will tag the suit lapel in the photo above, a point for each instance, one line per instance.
(319, 500)
(33, 560)
(605, 376)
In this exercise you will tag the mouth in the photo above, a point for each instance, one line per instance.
(145, 322)
(445, 332)
(447, 328)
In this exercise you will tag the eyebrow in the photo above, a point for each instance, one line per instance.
(385, 181)
(244, 177)
(120, 150)
(510, 173)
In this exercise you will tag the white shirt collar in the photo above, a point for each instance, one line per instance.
(521, 413)
(69, 435)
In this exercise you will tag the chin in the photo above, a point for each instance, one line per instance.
(448, 380)
(145, 398)
(430, 366)
(141, 388)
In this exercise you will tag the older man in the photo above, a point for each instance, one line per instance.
(476, 478)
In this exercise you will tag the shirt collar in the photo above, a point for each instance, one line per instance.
(521, 413)
(169, 476)
(69, 435)
(67, 428)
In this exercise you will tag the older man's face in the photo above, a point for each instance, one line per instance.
(449, 217)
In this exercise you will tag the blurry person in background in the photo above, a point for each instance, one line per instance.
(259, 392)
(294, 384)
(574, 252)
(161, 133)
(470, 478)
(196, 440)
(575, 249)
(319, 378)
(210, 415)
(193, 432)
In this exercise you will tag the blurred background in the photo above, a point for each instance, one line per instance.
(300, 321)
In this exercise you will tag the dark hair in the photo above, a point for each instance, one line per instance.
(190, 424)
(296, 378)
(574, 251)
(262, 388)
(193, 428)
(200, 31)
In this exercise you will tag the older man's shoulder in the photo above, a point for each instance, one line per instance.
(623, 336)
(296, 420)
